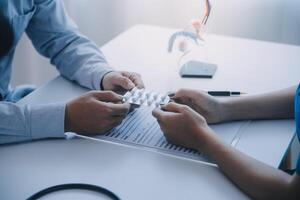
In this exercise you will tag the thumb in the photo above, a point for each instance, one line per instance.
(124, 82)
(172, 107)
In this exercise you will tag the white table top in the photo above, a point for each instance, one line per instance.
(244, 65)
(139, 174)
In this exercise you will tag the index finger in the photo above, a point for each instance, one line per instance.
(162, 115)
(135, 78)
(158, 113)
(183, 93)
(119, 109)
(106, 96)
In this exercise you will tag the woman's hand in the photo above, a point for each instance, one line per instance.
(183, 126)
(212, 109)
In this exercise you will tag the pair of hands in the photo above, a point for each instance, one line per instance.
(185, 122)
(97, 112)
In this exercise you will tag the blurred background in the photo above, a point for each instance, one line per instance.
(102, 20)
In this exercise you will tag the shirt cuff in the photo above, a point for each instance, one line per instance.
(98, 76)
(92, 76)
(47, 121)
(298, 165)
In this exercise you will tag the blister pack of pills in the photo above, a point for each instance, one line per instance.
(142, 97)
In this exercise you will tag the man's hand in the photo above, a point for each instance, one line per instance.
(122, 81)
(95, 113)
(206, 105)
(183, 126)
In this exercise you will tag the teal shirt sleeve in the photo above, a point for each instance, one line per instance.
(298, 165)
(25, 123)
(297, 120)
(56, 36)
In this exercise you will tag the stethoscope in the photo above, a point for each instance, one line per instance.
(76, 186)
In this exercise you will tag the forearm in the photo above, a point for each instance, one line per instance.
(55, 36)
(273, 105)
(81, 61)
(25, 123)
(255, 178)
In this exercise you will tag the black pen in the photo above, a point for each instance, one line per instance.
(224, 93)
(216, 93)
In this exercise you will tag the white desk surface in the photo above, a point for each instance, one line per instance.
(246, 65)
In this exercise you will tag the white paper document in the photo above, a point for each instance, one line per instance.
(140, 128)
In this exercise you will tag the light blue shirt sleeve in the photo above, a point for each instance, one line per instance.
(55, 35)
(25, 123)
